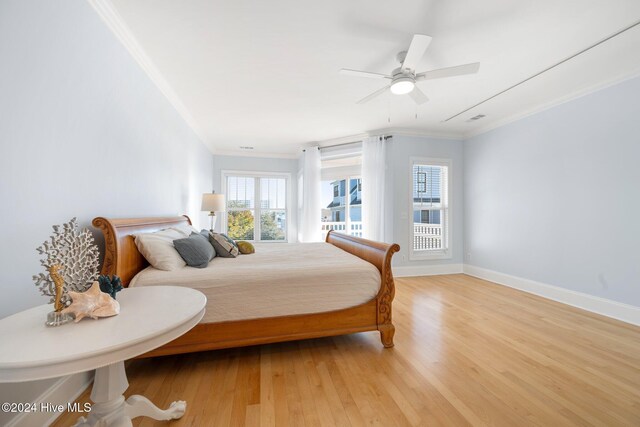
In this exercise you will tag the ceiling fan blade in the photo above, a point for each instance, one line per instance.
(418, 96)
(419, 44)
(357, 73)
(373, 95)
(458, 70)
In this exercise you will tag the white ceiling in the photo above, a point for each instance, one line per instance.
(265, 73)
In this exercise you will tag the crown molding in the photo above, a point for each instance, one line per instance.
(341, 140)
(116, 24)
(258, 154)
(393, 131)
(551, 104)
(453, 136)
(333, 141)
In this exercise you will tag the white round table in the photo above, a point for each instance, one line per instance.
(149, 318)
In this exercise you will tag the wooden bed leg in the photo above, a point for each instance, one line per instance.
(386, 334)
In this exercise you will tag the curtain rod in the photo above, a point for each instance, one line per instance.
(385, 137)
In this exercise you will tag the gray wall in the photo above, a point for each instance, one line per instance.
(400, 149)
(555, 197)
(84, 132)
(260, 164)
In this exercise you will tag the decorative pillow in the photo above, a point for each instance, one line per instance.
(206, 234)
(195, 250)
(158, 249)
(245, 247)
(185, 229)
(224, 246)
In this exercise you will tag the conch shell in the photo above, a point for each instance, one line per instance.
(93, 303)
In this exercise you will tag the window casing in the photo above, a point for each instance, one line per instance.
(430, 209)
(257, 206)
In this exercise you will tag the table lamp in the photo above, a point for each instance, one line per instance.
(213, 202)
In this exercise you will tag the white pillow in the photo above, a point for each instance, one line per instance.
(158, 249)
(185, 229)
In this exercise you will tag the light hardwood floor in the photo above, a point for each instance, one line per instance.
(467, 352)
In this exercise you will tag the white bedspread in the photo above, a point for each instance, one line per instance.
(279, 279)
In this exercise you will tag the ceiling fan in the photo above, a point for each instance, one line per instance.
(404, 78)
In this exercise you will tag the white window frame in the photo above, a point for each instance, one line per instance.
(447, 219)
(257, 209)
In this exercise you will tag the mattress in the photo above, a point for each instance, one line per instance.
(280, 279)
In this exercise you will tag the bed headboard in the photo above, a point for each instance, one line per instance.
(121, 256)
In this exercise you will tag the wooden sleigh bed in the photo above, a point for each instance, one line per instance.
(122, 258)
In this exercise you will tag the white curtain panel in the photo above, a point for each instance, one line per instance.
(310, 230)
(373, 178)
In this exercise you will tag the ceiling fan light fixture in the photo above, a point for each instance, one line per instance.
(402, 86)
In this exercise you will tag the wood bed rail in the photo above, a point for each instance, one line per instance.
(378, 254)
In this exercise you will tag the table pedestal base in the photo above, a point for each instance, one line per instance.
(110, 408)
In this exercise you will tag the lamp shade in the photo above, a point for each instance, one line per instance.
(213, 202)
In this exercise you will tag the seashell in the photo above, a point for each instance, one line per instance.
(93, 303)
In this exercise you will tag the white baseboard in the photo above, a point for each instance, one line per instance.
(426, 270)
(624, 312)
(66, 389)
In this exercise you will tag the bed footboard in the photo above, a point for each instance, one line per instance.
(378, 254)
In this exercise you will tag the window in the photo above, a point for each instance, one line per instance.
(257, 207)
(342, 189)
(343, 211)
(430, 208)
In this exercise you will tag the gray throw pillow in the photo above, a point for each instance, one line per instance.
(206, 234)
(195, 250)
(224, 246)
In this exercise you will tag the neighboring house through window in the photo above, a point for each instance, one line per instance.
(344, 212)
(430, 207)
